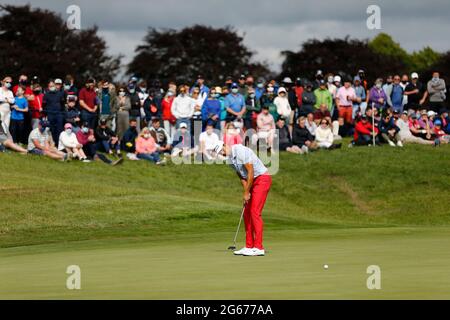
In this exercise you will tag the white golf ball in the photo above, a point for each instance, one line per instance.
(325, 266)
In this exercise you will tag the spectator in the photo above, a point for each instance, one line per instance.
(437, 92)
(6, 101)
(364, 132)
(221, 94)
(405, 133)
(108, 103)
(53, 105)
(416, 93)
(182, 142)
(302, 138)
(135, 104)
(299, 93)
(440, 134)
(389, 131)
(323, 96)
(129, 140)
(293, 100)
(72, 115)
(200, 84)
(183, 108)
(310, 124)
(19, 108)
(7, 142)
(235, 104)
(211, 110)
(284, 138)
(69, 87)
(445, 121)
(89, 103)
(283, 107)
(142, 92)
(324, 136)
(168, 119)
(345, 97)
(107, 140)
(426, 125)
(68, 143)
(152, 109)
(35, 105)
(242, 88)
(253, 107)
(377, 96)
(265, 128)
(359, 104)
(231, 135)
(161, 136)
(40, 142)
(123, 113)
(208, 140)
(146, 147)
(308, 100)
(260, 89)
(394, 95)
(268, 101)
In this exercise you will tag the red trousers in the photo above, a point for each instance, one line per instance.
(346, 112)
(253, 210)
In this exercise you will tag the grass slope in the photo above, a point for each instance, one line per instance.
(161, 232)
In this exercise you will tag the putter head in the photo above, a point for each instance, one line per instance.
(232, 248)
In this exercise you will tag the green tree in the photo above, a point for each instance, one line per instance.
(422, 60)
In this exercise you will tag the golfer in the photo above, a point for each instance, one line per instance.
(256, 183)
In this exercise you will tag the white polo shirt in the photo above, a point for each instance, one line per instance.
(210, 140)
(241, 155)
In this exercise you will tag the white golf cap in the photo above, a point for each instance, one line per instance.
(183, 125)
(431, 113)
(281, 89)
(287, 80)
(218, 147)
(58, 81)
(337, 79)
(414, 75)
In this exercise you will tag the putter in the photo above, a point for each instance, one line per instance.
(233, 247)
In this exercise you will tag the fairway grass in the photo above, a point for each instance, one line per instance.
(138, 231)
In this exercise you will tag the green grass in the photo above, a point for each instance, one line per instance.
(141, 231)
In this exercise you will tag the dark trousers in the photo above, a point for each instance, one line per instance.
(17, 130)
(56, 125)
(90, 118)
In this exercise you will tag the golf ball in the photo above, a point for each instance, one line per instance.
(325, 266)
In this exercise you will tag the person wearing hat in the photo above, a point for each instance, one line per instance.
(6, 141)
(360, 104)
(308, 99)
(106, 139)
(253, 107)
(235, 104)
(405, 133)
(319, 76)
(68, 143)
(181, 144)
(283, 106)
(40, 142)
(389, 131)
(135, 103)
(256, 182)
(53, 108)
(107, 98)
(242, 85)
(35, 105)
(88, 101)
(416, 93)
(323, 96)
(440, 134)
(445, 120)
(345, 97)
(200, 83)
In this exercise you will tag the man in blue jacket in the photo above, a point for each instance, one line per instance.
(53, 105)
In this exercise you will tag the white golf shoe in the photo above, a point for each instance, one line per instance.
(391, 143)
(399, 144)
(254, 252)
(243, 251)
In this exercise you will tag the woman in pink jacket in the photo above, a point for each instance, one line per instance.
(146, 147)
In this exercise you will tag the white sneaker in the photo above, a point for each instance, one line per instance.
(254, 252)
(243, 251)
(391, 144)
(399, 144)
(305, 149)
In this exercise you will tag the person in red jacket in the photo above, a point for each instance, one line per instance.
(35, 105)
(364, 133)
(168, 119)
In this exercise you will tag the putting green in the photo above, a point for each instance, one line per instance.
(414, 264)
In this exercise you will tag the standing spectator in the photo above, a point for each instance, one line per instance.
(108, 103)
(235, 104)
(377, 96)
(107, 140)
(253, 107)
(168, 119)
(40, 142)
(268, 101)
(308, 100)
(53, 105)
(323, 96)
(200, 84)
(6, 101)
(242, 88)
(36, 105)
(265, 128)
(19, 108)
(283, 106)
(394, 95)
(182, 107)
(389, 131)
(123, 113)
(135, 104)
(89, 103)
(437, 92)
(260, 89)
(359, 104)
(72, 114)
(416, 93)
(299, 93)
(211, 110)
(69, 144)
(344, 101)
(221, 94)
(69, 87)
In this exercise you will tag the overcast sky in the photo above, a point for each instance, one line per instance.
(269, 26)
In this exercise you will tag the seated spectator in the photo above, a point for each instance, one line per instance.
(72, 113)
(129, 140)
(107, 140)
(324, 113)
(7, 142)
(182, 142)
(440, 134)
(426, 125)
(69, 144)
(364, 132)
(161, 136)
(324, 136)
(146, 147)
(40, 142)
(284, 138)
(231, 135)
(310, 124)
(208, 140)
(389, 131)
(302, 137)
(445, 121)
(265, 128)
(405, 133)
